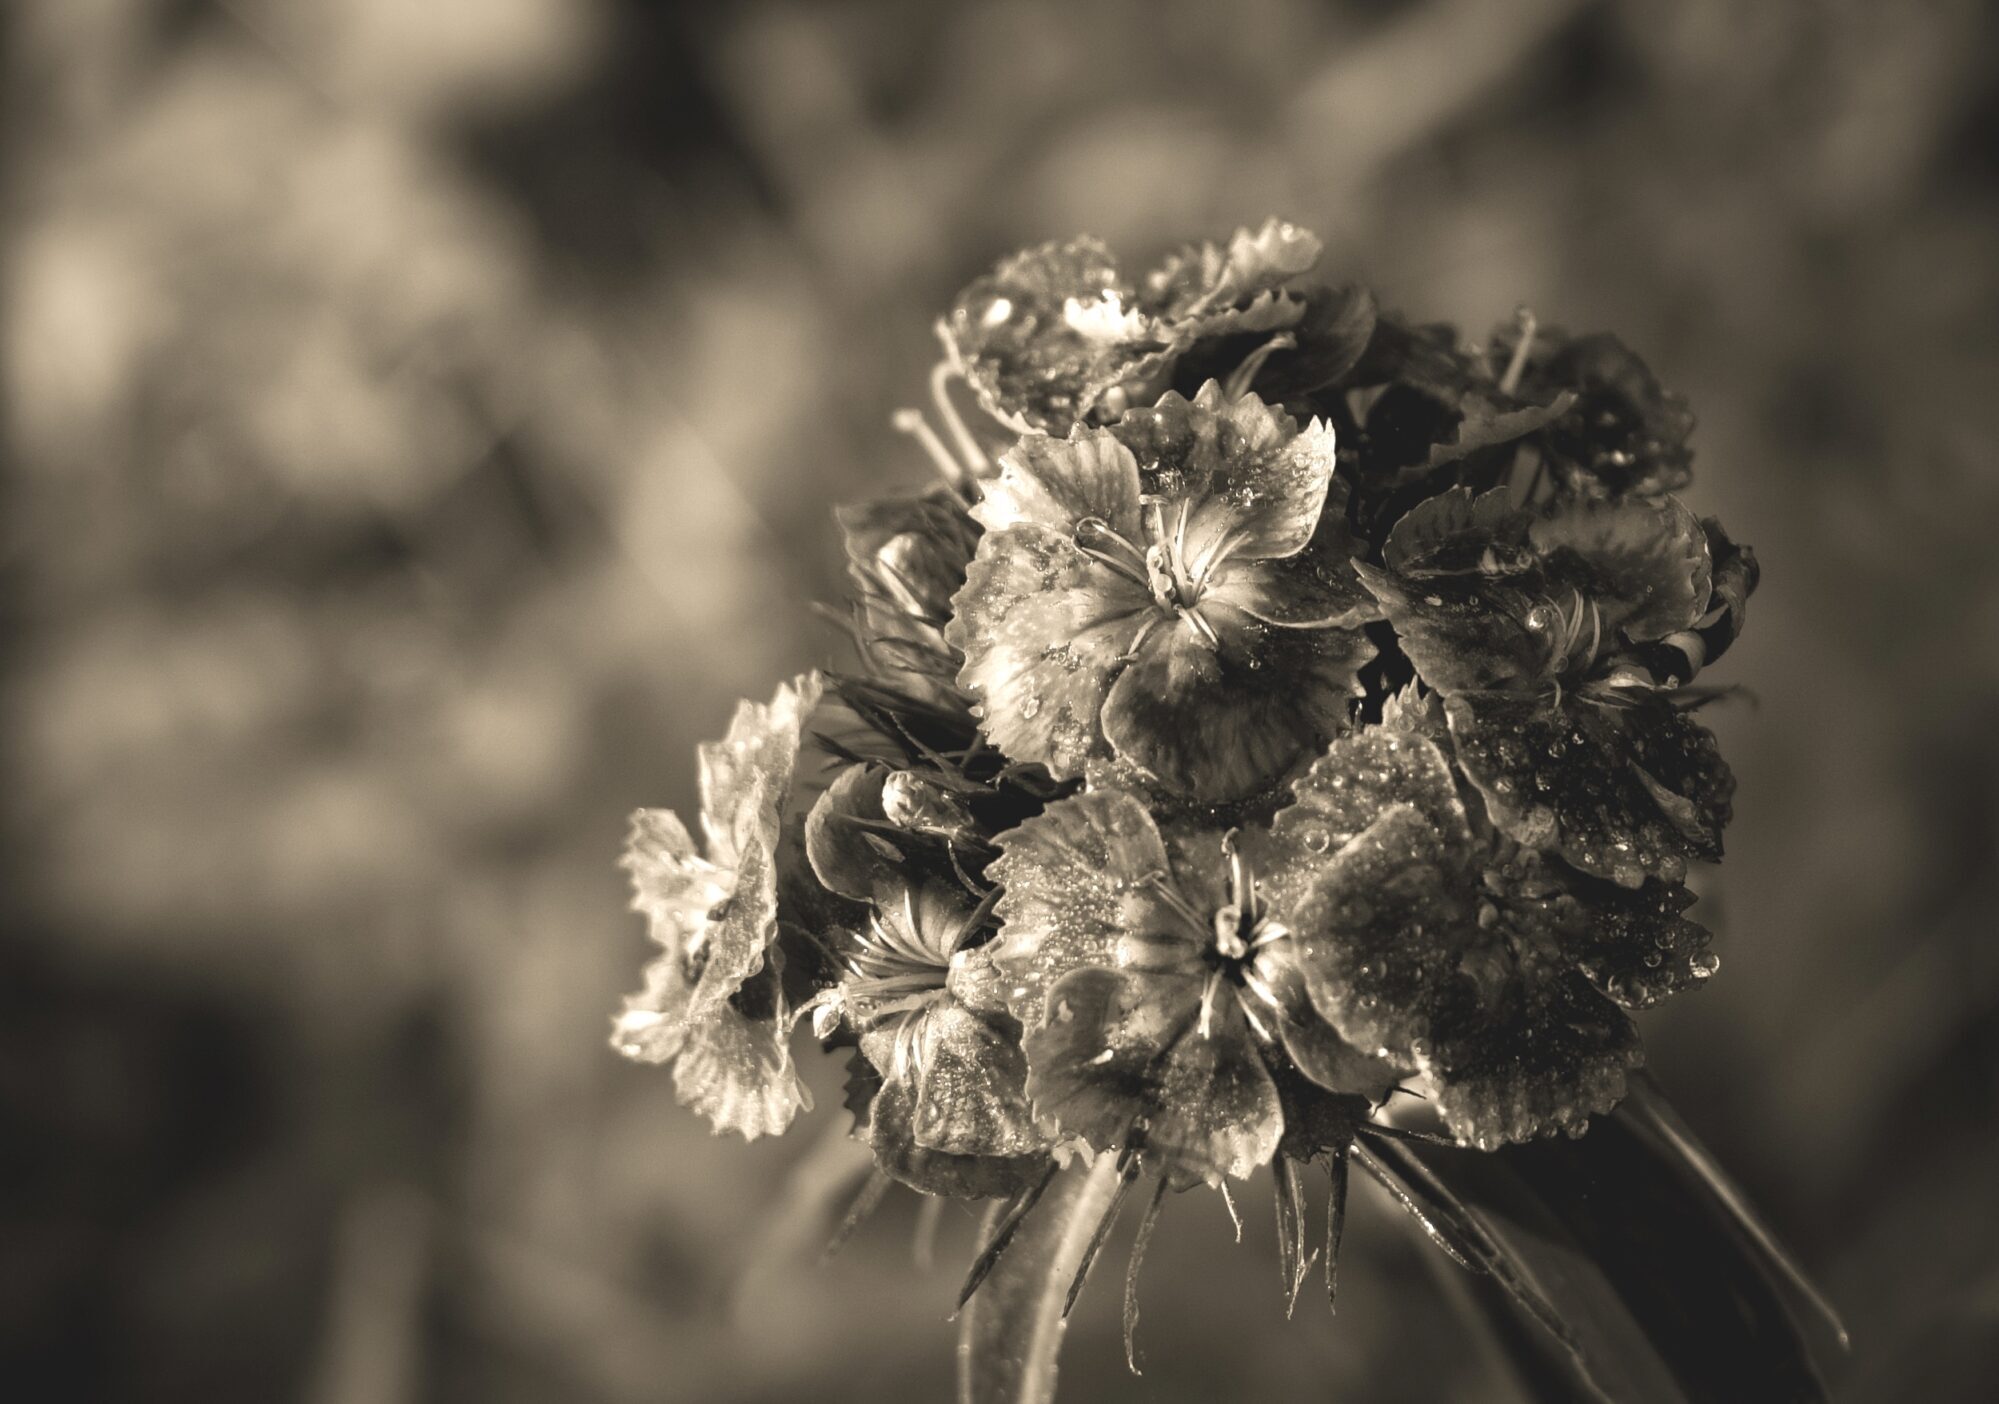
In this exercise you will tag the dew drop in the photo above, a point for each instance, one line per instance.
(1704, 964)
(1317, 840)
(1030, 707)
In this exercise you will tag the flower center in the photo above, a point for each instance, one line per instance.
(1161, 566)
(1242, 929)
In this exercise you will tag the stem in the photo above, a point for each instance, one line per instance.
(1011, 1330)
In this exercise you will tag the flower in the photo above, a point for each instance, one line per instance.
(1528, 626)
(711, 1005)
(947, 1111)
(1173, 592)
(1624, 434)
(1058, 331)
(1159, 982)
(1427, 943)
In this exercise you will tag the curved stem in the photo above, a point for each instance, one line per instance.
(1011, 1330)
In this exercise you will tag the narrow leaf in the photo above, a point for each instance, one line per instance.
(1138, 1247)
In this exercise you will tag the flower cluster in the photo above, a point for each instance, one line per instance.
(1278, 706)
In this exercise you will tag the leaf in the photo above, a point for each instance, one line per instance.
(1668, 1290)
(1010, 1331)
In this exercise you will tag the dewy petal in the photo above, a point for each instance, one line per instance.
(1203, 281)
(1360, 778)
(1221, 724)
(1459, 531)
(1043, 628)
(1028, 361)
(1644, 564)
(1315, 589)
(1314, 1046)
(1255, 483)
(674, 888)
(885, 1116)
(1057, 483)
(1380, 930)
(746, 776)
(738, 1073)
(1553, 1055)
(1636, 946)
(967, 1083)
(1463, 633)
(1623, 793)
(1121, 1059)
(1078, 878)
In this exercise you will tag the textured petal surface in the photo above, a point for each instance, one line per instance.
(1056, 483)
(1464, 633)
(738, 1073)
(1079, 877)
(1043, 628)
(1218, 725)
(1622, 793)
(1255, 483)
(1380, 931)
(1316, 588)
(1553, 1055)
(1121, 1056)
(1359, 779)
(746, 776)
(969, 1083)
(1643, 564)
(1026, 357)
(675, 889)
(885, 1116)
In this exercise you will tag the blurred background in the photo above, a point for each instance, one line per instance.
(420, 426)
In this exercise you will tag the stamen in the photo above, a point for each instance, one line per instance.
(1137, 573)
(1510, 382)
(912, 423)
(1202, 627)
(1259, 987)
(1239, 380)
(941, 376)
(1208, 992)
(1170, 895)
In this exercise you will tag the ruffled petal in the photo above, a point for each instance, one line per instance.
(1317, 588)
(738, 1073)
(1043, 628)
(1204, 281)
(1360, 778)
(746, 776)
(966, 1081)
(1637, 947)
(1057, 483)
(1222, 724)
(1314, 1046)
(1380, 930)
(1078, 878)
(885, 1117)
(1554, 1054)
(1464, 633)
(1036, 334)
(1254, 483)
(1623, 793)
(675, 889)
(1643, 564)
(1122, 1060)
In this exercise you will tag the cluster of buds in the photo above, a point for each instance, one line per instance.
(1271, 741)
